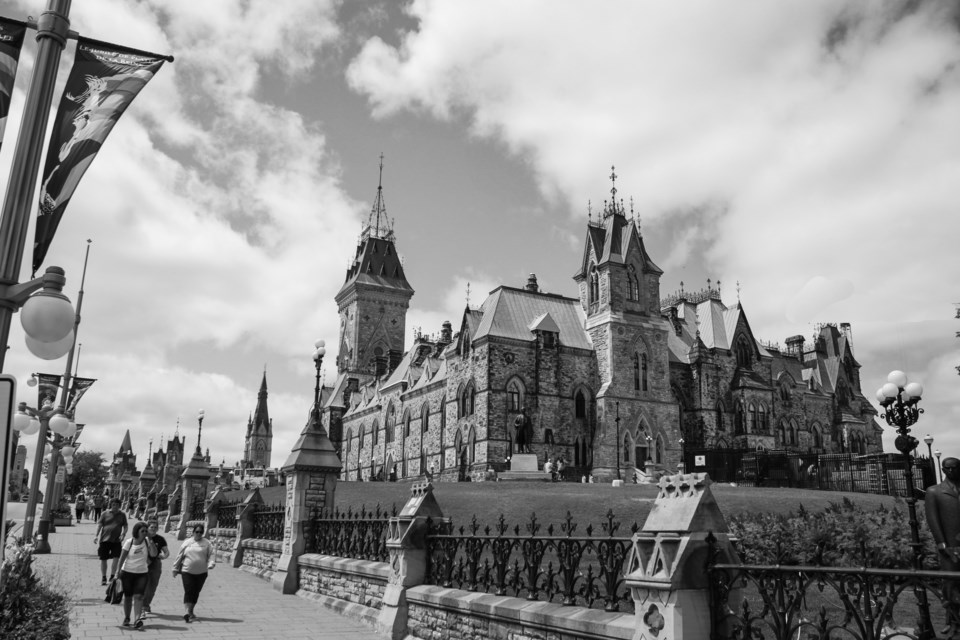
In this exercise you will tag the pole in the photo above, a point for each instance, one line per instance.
(617, 445)
(53, 29)
(43, 415)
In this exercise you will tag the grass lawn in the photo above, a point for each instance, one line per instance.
(588, 503)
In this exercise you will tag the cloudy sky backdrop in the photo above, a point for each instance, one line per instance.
(805, 149)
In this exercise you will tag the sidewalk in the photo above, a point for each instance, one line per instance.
(233, 604)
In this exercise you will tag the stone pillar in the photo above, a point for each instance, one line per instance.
(311, 470)
(194, 481)
(669, 585)
(213, 509)
(245, 525)
(407, 544)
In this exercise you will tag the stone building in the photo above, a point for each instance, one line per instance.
(258, 443)
(615, 376)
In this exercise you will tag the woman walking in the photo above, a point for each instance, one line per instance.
(154, 569)
(80, 505)
(193, 562)
(134, 562)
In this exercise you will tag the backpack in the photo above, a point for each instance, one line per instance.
(114, 592)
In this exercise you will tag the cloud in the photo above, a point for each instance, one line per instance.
(816, 295)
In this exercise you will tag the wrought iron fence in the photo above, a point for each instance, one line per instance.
(559, 566)
(783, 602)
(268, 521)
(227, 514)
(361, 535)
(198, 510)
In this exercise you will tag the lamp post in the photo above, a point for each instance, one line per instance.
(899, 400)
(649, 445)
(939, 471)
(617, 447)
(199, 452)
(319, 352)
(683, 458)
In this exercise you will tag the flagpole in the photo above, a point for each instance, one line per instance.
(53, 29)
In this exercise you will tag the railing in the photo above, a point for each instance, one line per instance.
(227, 514)
(784, 602)
(361, 535)
(198, 510)
(572, 570)
(268, 522)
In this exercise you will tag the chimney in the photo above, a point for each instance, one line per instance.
(446, 332)
(795, 344)
(532, 283)
(847, 333)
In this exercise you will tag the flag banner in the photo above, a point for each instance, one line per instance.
(103, 82)
(47, 388)
(79, 387)
(11, 40)
(76, 436)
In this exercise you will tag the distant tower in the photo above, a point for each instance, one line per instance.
(373, 300)
(259, 441)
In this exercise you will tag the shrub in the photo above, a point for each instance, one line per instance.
(29, 609)
(843, 534)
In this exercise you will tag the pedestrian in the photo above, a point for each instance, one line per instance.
(98, 502)
(193, 562)
(548, 468)
(154, 568)
(88, 510)
(80, 505)
(111, 529)
(141, 507)
(560, 466)
(134, 565)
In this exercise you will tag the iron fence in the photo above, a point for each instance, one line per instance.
(268, 521)
(559, 566)
(361, 535)
(198, 510)
(784, 602)
(227, 514)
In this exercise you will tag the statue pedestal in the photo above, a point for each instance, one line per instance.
(524, 466)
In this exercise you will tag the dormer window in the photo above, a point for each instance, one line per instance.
(633, 284)
(549, 340)
(744, 355)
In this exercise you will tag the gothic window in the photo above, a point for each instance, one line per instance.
(658, 450)
(743, 353)
(391, 425)
(752, 419)
(643, 371)
(817, 437)
(793, 433)
(467, 398)
(627, 446)
(633, 284)
(594, 293)
(406, 425)
(640, 372)
(576, 453)
(580, 405)
(785, 392)
(347, 440)
(782, 434)
(443, 417)
(549, 340)
(466, 345)
(548, 437)
(738, 419)
(472, 443)
(424, 418)
(514, 395)
(762, 424)
(636, 371)
(375, 432)
(720, 425)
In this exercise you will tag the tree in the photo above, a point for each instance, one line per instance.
(89, 473)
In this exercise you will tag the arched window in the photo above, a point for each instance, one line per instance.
(424, 418)
(406, 424)
(580, 405)
(576, 452)
(817, 438)
(514, 395)
(627, 447)
(548, 437)
(762, 423)
(785, 392)
(636, 371)
(781, 433)
(467, 398)
(633, 283)
(739, 419)
(643, 371)
(744, 353)
(347, 439)
(793, 432)
(391, 423)
(720, 424)
(594, 287)
(640, 372)
(472, 443)
(375, 432)
(658, 450)
(752, 418)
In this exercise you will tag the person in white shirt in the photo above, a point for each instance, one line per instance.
(195, 559)
(134, 562)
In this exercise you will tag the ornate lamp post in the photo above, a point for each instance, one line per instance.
(617, 447)
(199, 452)
(318, 354)
(939, 472)
(899, 400)
(649, 445)
(683, 458)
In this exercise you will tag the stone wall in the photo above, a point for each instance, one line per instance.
(223, 541)
(260, 557)
(352, 587)
(436, 613)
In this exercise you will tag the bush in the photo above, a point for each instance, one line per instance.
(843, 534)
(29, 609)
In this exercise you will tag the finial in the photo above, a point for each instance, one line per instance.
(177, 431)
(708, 284)
(589, 212)
(681, 286)
(738, 291)
(613, 189)
(468, 295)
(718, 286)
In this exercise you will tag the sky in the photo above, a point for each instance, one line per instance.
(804, 153)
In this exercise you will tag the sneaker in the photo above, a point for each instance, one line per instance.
(103, 581)
(186, 617)
(146, 609)
(138, 624)
(126, 622)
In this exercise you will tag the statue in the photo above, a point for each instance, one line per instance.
(942, 504)
(524, 430)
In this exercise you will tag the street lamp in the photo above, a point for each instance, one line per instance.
(939, 472)
(318, 354)
(928, 439)
(899, 400)
(617, 447)
(199, 451)
(683, 458)
(649, 445)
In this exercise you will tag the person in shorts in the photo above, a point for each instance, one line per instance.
(111, 529)
(98, 502)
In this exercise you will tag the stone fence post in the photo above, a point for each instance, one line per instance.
(407, 545)
(311, 470)
(668, 581)
(213, 508)
(245, 525)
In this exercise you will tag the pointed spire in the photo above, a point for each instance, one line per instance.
(125, 445)
(378, 225)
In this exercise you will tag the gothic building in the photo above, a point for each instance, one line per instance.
(258, 442)
(615, 376)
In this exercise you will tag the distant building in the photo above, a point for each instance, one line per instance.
(258, 442)
(614, 377)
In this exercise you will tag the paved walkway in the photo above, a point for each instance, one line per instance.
(233, 604)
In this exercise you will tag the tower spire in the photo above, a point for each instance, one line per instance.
(378, 224)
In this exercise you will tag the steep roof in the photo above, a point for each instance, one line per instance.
(376, 263)
(512, 313)
(610, 241)
(125, 445)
